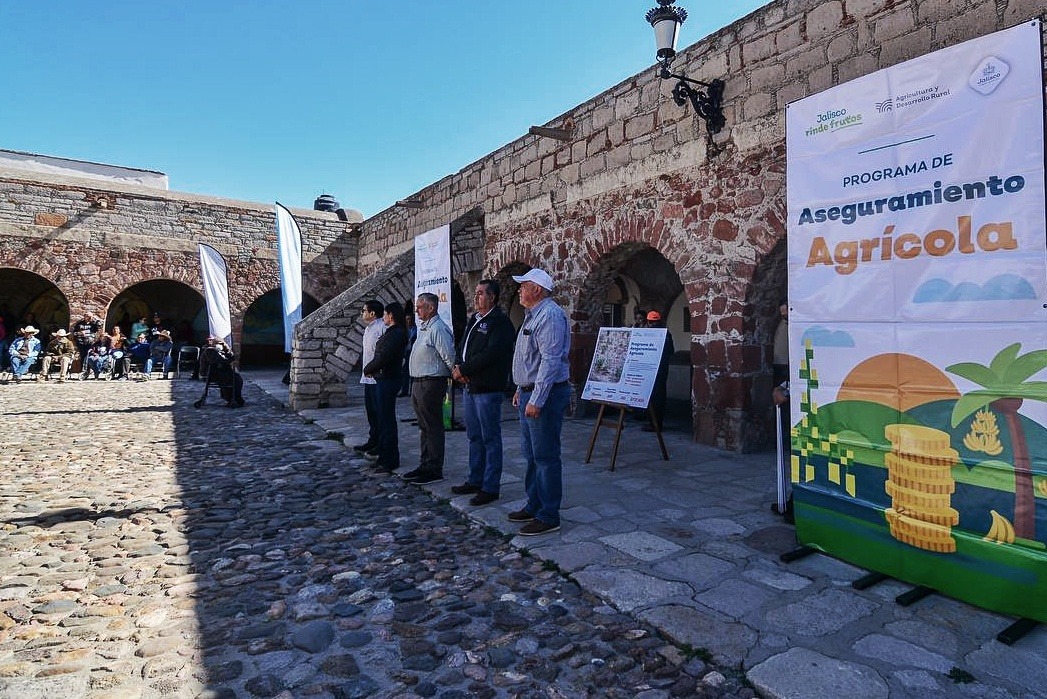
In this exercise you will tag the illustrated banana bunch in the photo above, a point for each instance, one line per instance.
(1001, 531)
(984, 435)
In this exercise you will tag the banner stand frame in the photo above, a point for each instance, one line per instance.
(618, 426)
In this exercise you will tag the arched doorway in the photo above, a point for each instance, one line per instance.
(626, 283)
(28, 298)
(511, 291)
(181, 306)
(262, 340)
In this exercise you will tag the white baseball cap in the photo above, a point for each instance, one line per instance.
(538, 276)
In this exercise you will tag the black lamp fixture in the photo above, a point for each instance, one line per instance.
(708, 102)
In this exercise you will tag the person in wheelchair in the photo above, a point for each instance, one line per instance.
(99, 357)
(216, 365)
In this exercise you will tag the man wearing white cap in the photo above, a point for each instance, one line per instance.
(540, 371)
(24, 351)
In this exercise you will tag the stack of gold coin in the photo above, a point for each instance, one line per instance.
(920, 483)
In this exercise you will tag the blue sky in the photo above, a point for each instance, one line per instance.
(264, 100)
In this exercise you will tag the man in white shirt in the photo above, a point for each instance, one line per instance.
(371, 316)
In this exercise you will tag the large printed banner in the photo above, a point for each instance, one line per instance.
(289, 244)
(216, 293)
(432, 267)
(917, 289)
(625, 364)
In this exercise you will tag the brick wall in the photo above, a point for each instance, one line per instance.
(637, 172)
(54, 227)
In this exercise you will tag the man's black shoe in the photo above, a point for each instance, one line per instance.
(520, 515)
(366, 446)
(482, 498)
(537, 527)
(465, 489)
(411, 475)
(427, 478)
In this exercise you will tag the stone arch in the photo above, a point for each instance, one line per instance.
(29, 297)
(768, 286)
(180, 304)
(650, 280)
(510, 300)
(262, 329)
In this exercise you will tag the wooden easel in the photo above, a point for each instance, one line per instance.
(618, 426)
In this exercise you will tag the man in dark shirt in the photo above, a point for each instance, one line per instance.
(482, 365)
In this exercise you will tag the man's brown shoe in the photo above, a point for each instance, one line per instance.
(520, 516)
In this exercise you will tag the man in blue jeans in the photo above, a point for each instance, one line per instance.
(24, 351)
(483, 367)
(540, 371)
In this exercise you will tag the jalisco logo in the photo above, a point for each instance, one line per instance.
(833, 120)
(988, 75)
(885, 106)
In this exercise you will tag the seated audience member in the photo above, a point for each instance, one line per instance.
(140, 327)
(24, 351)
(158, 324)
(61, 348)
(84, 332)
(118, 349)
(138, 352)
(160, 352)
(98, 357)
(3, 344)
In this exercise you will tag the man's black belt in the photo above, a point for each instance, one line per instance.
(431, 378)
(555, 385)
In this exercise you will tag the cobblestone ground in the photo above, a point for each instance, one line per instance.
(148, 549)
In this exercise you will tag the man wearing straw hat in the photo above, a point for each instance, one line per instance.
(61, 348)
(24, 351)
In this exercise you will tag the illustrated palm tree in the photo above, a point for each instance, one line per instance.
(1004, 388)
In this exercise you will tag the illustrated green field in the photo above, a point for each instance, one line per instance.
(1007, 578)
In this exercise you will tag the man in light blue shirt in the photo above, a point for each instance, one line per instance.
(540, 371)
(432, 358)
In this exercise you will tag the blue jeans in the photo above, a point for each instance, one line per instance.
(149, 365)
(388, 434)
(20, 365)
(540, 444)
(371, 410)
(97, 365)
(483, 427)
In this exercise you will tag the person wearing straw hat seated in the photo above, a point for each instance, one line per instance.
(61, 348)
(160, 352)
(24, 351)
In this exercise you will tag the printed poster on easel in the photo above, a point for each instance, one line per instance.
(918, 341)
(624, 366)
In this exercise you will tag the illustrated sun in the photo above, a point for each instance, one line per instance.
(899, 381)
